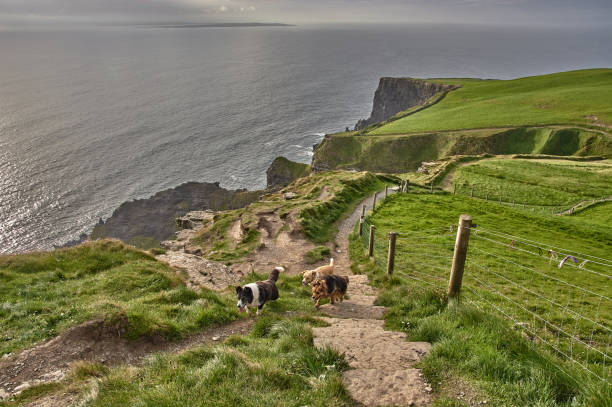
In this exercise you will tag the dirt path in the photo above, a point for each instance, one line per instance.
(382, 361)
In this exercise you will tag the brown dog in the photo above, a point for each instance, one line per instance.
(311, 275)
(332, 287)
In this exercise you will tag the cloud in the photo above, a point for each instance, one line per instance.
(312, 11)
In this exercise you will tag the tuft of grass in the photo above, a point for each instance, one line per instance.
(317, 254)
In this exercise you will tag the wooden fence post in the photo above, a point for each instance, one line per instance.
(461, 246)
(386, 191)
(374, 202)
(407, 186)
(361, 226)
(431, 185)
(487, 198)
(454, 189)
(523, 204)
(363, 208)
(391, 257)
(371, 241)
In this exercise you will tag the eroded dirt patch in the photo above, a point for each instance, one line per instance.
(96, 341)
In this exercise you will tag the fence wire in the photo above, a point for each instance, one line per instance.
(554, 300)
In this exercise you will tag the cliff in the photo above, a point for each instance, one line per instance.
(146, 222)
(283, 172)
(395, 95)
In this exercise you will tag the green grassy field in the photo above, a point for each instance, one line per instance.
(599, 214)
(45, 293)
(516, 284)
(536, 182)
(575, 97)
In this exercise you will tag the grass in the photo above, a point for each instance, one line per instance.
(472, 339)
(565, 114)
(317, 254)
(276, 365)
(560, 98)
(599, 214)
(536, 182)
(43, 294)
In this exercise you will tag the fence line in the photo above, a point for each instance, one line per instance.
(563, 314)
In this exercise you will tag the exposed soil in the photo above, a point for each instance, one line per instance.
(198, 272)
(99, 342)
(281, 244)
(382, 361)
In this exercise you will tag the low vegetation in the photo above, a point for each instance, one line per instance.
(43, 294)
(317, 254)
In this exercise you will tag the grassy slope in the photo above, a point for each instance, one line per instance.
(45, 293)
(598, 214)
(275, 365)
(468, 341)
(536, 182)
(317, 218)
(536, 115)
(561, 98)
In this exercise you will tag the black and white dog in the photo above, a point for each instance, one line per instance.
(257, 294)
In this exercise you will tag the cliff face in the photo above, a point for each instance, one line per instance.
(283, 172)
(146, 222)
(398, 94)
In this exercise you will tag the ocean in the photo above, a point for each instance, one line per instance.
(94, 117)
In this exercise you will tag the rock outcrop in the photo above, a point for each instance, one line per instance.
(146, 222)
(398, 94)
(283, 172)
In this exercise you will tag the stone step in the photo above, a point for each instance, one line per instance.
(388, 387)
(367, 345)
(356, 310)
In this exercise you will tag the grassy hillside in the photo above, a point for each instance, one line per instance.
(598, 214)
(576, 97)
(404, 153)
(45, 293)
(474, 340)
(566, 114)
(319, 202)
(536, 182)
(276, 364)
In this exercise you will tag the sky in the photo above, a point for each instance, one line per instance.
(514, 12)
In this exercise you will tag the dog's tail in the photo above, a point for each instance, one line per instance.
(331, 262)
(274, 273)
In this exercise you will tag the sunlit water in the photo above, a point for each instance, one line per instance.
(90, 119)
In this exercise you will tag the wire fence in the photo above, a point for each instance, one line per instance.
(508, 201)
(557, 297)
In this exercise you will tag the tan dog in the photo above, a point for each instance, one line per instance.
(332, 287)
(311, 275)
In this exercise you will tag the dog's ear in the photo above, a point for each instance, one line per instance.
(247, 290)
(238, 290)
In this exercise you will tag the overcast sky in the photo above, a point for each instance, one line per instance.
(537, 12)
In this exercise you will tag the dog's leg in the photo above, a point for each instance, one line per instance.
(332, 298)
(318, 303)
(259, 310)
(247, 310)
